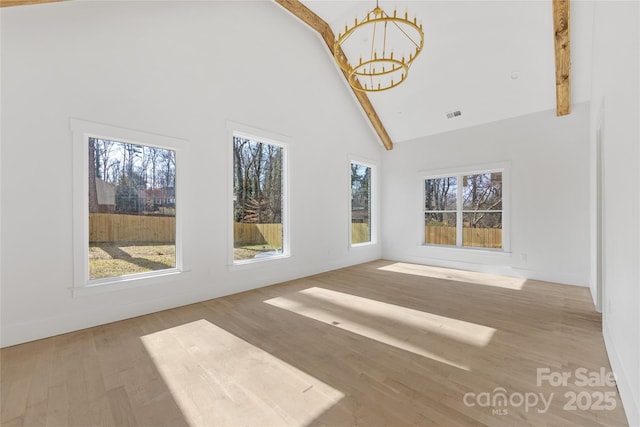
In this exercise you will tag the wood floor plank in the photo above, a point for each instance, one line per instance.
(378, 344)
(58, 406)
(121, 408)
(15, 398)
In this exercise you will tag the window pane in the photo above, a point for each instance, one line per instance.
(360, 203)
(440, 228)
(132, 208)
(440, 194)
(257, 199)
(482, 191)
(482, 229)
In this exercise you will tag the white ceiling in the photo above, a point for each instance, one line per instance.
(490, 59)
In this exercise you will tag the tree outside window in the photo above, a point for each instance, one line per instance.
(258, 199)
(464, 210)
(360, 203)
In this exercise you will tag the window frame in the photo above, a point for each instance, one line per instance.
(235, 129)
(459, 173)
(373, 201)
(81, 131)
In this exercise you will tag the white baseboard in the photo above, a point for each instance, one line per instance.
(44, 327)
(498, 269)
(629, 401)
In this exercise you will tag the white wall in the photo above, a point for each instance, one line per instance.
(181, 69)
(549, 195)
(615, 99)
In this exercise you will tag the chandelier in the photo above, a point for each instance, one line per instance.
(385, 47)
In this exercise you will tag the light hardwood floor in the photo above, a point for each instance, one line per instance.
(379, 344)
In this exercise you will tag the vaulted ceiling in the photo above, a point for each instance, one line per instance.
(491, 60)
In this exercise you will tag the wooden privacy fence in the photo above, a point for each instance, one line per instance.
(476, 237)
(162, 229)
(359, 232)
(131, 228)
(271, 234)
(257, 234)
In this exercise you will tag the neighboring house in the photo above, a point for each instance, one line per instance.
(165, 196)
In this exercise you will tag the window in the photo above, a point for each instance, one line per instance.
(464, 210)
(132, 208)
(361, 202)
(126, 207)
(259, 199)
(441, 210)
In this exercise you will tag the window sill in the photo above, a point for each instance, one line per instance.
(257, 262)
(363, 244)
(114, 284)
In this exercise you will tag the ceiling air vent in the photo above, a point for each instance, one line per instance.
(454, 114)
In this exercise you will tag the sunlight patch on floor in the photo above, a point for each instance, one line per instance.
(515, 283)
(219, 379)
(394, 325)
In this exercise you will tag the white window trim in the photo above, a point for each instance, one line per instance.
(81, 131)
(235, 129)
(373, 203)
(503, 167)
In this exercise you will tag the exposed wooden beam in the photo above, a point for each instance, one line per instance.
(307, 16)
(563, 56)
(7, 3)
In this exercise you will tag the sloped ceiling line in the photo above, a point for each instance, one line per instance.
(315, 22)
(4, 3)
(318, 24)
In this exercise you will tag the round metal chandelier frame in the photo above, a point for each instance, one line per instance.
(380, 69)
